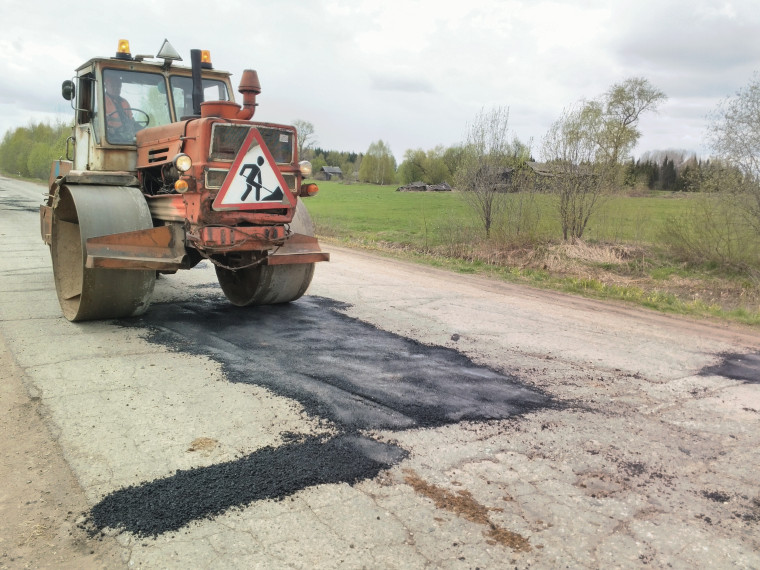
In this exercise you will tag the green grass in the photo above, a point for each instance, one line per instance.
(367, 213)
(417, 226)
(627, 219)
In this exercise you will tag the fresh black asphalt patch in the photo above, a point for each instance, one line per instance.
(340, 369)
(168, 504)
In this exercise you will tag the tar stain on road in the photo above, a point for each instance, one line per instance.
(18, 205)
(744, 367)
(340, 369)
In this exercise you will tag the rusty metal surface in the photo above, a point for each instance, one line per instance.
(294, 258)
(167, 207)
(299, 248)
(46, 223)
(58, 169)
(109, 178)
(228, 239)
(155, 248)
(159, 145)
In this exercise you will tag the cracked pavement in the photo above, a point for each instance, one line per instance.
(648, 458)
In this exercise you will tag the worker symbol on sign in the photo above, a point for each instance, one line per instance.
(253, 180)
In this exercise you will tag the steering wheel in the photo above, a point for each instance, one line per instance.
(142, 123)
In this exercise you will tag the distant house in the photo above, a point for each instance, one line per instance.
(329, 172)
(422, 187)
(545, 176)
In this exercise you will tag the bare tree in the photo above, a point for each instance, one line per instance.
(306, 136)
(734, 137)
(586, 145)
(574, 174)
(488, 159)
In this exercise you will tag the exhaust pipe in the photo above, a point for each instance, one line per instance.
(249, 88)
(195, 61)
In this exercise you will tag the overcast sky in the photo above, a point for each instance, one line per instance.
(410, 72)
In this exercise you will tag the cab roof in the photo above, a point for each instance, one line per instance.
(153, 65)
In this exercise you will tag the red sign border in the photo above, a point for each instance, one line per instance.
(244, 148)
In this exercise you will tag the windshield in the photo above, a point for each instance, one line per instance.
(133, 100)
(182, 93)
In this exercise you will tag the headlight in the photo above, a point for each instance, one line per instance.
(182, 162)
(305, 167)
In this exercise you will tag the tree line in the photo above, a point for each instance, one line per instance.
(673, 170)
(584, 158)
(29, 151)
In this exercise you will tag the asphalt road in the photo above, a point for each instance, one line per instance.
(396, 416)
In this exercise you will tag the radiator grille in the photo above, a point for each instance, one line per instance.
(158, 155)
(279, 143)
(226, 140)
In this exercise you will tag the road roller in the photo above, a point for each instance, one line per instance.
(164, 170)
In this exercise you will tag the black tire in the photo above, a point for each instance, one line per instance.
(270, 284)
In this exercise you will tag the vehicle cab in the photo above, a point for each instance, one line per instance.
(114, 98)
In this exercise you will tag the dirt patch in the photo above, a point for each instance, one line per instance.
(205, 444)
(464, 505)
(40, 499)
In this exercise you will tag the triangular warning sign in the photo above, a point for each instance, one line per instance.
(254, 182)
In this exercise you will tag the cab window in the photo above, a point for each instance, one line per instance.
(133, 100)
(85, 98)
(182, 93)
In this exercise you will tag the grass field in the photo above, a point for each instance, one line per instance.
(622, 256)
(369, 213)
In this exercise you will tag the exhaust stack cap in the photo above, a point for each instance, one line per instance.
(249, 87)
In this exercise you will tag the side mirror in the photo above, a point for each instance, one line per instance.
(68, 90)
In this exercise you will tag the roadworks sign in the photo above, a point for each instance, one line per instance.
(254, 182)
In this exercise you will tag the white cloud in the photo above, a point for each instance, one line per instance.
(410, 72)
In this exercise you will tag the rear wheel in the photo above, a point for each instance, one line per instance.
(270, 284)
(265, 284)
(89, 211)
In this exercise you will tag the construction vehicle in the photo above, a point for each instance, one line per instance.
(164, 170)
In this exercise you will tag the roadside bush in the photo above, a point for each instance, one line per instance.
(521, 216)
(713, 232)
(458, 236)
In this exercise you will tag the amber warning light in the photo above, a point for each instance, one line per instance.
(122, 51)
(206, 59)
(308, 190)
